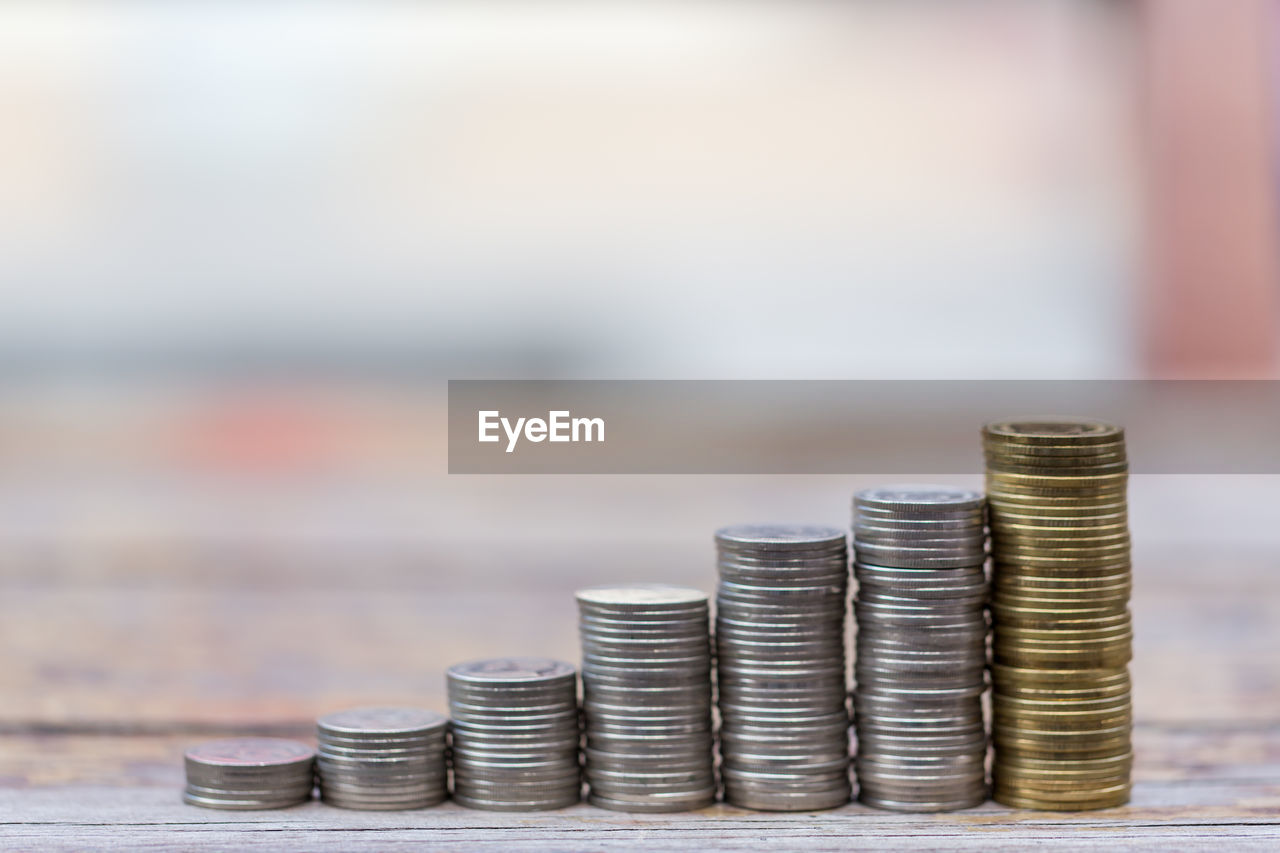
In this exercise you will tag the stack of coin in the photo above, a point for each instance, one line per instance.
(920, 554)
(1062, 634)
(249, 773)
(382, 758)
(516, 734)
(646, 697)
(780, 645)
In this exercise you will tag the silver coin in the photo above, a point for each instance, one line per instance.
(511, 671)
(642, 596)
(778, 536)
(407, 805)
(787, 801)
(296, 789)
(563, 800)
(654, 803)
(244, 805)
(914, 496)
(380, 722)
(254, 752)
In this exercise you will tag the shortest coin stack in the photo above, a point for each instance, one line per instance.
(515, 734)
(249, 773)
(382, 758)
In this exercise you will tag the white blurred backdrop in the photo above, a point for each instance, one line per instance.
(517, 189)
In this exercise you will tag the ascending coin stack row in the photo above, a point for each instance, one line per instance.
(516, 734)
(921, 647)
(780, 646)
(1061, 644)
(1062, 633)
(646, 697)
(382, 758)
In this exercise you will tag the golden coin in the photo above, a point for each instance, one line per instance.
(1017, 801)
(1032, 490)
(998, 460)
(1011, 517)
(1058, 476)
(995, 449)
(1074, 787)
(1083, 657)
(1007, 552)
(1100, 699)
(1045, 640)
(1088, 602)
(1062, 722)
(1035, 751)
(1080, 565)
(1042, 697)
(1066, 600)
(1023, 615)
(1120, 762)
(1067, 447)
(1067, 574)
(1016, 530)
(1051, 778)
(1031, 741)
(1053, 430)
(1018, 580)
(1052, 629)
(1021, 704)
(1068, 506)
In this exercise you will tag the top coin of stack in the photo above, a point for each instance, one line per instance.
(920, 527)
(249, 773)
(922, 647)
(780, 612)
(516, 734)
(646, 697)
(1062, 631)
(382, 758)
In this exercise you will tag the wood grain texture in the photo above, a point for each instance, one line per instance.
(1182, 817)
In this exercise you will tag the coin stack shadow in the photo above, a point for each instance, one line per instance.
(1062, 633)
(382, 758)
(920, 668)
(646, 697)
(249, 773)
(515, 734)
(780, 657)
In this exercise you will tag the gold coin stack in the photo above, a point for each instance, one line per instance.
(1062, 633)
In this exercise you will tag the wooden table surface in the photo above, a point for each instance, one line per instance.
(135, 621)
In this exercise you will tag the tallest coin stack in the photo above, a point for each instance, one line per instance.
(1062, 633)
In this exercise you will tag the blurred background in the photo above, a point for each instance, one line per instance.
(243, 245)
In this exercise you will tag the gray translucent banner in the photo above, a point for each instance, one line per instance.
(890, 427)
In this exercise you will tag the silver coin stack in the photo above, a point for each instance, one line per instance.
(921, 647)
(249, 773)
(780, 645)
(382, 758)
(646, 697)
(516, 734)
